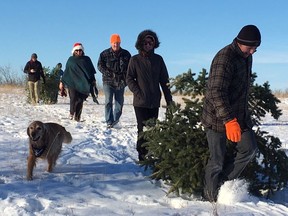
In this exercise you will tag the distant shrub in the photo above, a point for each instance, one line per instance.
(281, 93)
(10, 77)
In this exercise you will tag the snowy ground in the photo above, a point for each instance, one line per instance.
(97, 175)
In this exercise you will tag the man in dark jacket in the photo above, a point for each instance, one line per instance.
(225, 110)
(146, 71)
(113, 63)
(34, 70)
(78, 76)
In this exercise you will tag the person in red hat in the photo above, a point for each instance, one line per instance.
(113, 63)
(35, 71)
(225, 111)
(79, 76)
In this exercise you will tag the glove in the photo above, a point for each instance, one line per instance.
(233, 130)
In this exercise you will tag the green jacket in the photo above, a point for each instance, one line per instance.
(79, 74)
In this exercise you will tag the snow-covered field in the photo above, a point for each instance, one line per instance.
(97, 174)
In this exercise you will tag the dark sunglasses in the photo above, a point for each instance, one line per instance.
(150, 43)
(78, 50)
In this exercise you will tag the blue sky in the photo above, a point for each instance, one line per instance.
(191, 32)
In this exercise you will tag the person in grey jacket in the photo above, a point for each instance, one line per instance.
(146, 73)
(225, 111)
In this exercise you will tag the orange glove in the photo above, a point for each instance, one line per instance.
(233, 130)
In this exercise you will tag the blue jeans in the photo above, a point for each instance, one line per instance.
(110, 114)
(218, 169)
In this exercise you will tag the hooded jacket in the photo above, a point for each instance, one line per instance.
(146, 71)
(227, 89)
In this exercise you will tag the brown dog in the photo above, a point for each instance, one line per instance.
(45, 142)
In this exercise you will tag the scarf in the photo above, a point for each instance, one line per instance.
(79, 74)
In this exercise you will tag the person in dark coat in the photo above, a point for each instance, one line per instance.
(35, 71)
(78, 76)
(59, 74)
(113, 63)
(225, 110)
(146, 73)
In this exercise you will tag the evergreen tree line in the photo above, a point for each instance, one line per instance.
(178, 150)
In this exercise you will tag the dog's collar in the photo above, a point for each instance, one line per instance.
(38, 152)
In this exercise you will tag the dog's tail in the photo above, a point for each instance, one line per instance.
(67, 137)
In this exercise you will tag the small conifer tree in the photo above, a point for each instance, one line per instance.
(49, 90)
(266, 173)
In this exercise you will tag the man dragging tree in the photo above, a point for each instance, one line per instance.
(225, 112)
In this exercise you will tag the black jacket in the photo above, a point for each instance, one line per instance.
(144, 75)
(113, 66)
(37, 66)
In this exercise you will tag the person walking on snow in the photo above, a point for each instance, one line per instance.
(146, 73)
(225, 110)
(113, 63)
(35, 71)
(79, 76)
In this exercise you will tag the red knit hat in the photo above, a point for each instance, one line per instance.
(77, 46)
(115, 38)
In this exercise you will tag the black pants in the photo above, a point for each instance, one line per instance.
(142, 115)
(76, 103)
(217, 169)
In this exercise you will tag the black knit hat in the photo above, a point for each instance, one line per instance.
(249, 36)
(34, 55)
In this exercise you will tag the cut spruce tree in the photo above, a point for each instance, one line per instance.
(178, 150)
